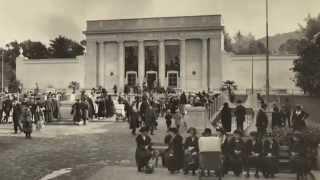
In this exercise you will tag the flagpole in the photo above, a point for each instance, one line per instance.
(267, 53)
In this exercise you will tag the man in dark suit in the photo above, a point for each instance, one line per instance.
(298, 119)
(240, 113)
(262, 121)
(16, 116)
(253, 154)
(7, 106)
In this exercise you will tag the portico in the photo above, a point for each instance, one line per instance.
(177, 52)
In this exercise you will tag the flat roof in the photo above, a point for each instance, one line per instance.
(200, 22)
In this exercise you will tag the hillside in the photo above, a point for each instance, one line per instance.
(277, 40)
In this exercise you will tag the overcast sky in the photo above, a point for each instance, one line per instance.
(41, 20)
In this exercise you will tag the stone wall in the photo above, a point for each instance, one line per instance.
(239, 68)
(57, 73)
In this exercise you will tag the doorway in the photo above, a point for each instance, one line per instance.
(151, 79)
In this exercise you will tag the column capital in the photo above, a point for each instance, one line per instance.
(101, 42)
(120, 41)
(182, 39)
(140, 41)
(161, 40)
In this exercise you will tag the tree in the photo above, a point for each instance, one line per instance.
(312, 27)
(256, 47)
(307, 69)
(307, 66)
(34, 50)
(11, 53)
(74, 85)
(290, 47)
(247, 44)
(227, 42)
(62, 47)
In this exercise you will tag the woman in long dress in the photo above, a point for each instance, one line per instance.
(101, 107)
(226, 117)
(176, 162)
(27, 121)
(143, 151)
(109, 107)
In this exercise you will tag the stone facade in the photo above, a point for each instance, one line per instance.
(199, 38)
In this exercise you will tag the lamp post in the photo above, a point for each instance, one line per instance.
(267, 53)
(252, 75)
(2, 68)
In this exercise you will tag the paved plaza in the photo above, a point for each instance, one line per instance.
(98, 151)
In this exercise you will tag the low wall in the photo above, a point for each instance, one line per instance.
(56, 73)
(239, 69)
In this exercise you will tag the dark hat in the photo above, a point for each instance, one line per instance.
(144, 129)
(207, 131)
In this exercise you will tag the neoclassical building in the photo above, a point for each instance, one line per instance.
(178, 52)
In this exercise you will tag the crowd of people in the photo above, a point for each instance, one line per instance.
(29, 109)
(259, 151)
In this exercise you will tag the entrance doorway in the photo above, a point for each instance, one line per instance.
(152, 79)
(173, 79)
(131, 78)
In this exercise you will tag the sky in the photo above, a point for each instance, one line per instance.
(42, 20)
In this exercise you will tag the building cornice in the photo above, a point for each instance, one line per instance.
(148, 30)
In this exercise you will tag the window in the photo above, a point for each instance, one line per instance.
(173, 80)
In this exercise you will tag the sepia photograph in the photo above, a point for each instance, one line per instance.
(160, 89)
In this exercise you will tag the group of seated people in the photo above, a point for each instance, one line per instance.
(240, 154)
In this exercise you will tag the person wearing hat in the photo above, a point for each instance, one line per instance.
(253, 154)
(168, 118)
(236, 152)
(48, 113)
(143, 150)
(299, 118)
(297, 154)
(26, 120)
(191, 148)
(176, 162)
(134, 121)
(270, 157)
(207, 132)
(262, 121)
(84, 110)
(7, 106)
(240, 113)
(226, 117)
(76, 111)
(16, 116)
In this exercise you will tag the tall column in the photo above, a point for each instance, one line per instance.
(141, 62)
(183, 64)
(101, 64)
(204, 68)
(90, 79)
(121, 66)
(162, 64)
(215, 63)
